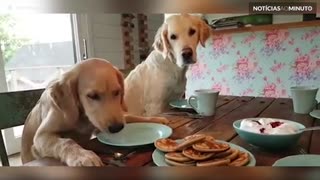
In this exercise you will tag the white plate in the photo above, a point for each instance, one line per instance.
(136, 134)
(299, 161)
(159, 159)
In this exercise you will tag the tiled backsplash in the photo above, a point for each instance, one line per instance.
(264, 63)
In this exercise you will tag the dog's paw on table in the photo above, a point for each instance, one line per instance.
(45, 162)
(160, 120)
(84, 158)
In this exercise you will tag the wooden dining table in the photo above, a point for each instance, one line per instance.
(229, 109)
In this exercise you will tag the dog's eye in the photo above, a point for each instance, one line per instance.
(93, 96)
(173, 36)
(116, 93)
(191, 31)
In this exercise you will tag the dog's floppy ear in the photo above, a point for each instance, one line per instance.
(161, 43)
(204, 32)
(121, 82)
(64, 96)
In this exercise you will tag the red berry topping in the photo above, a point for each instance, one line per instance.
(275, 124)
(262, 130)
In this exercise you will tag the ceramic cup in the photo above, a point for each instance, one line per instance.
(304, 99)
(206, 101)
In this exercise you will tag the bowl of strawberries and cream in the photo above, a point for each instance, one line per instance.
(268, 126)
(269, 133)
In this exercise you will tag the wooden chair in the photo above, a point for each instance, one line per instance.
(14, 108)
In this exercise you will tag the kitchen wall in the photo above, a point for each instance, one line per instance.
(115, 38)
(105, 37)
(154, 23)
(264, 63)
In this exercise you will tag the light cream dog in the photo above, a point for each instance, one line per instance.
(87, 98)
(162, 76)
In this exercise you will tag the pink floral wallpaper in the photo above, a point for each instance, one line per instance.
(264, 63)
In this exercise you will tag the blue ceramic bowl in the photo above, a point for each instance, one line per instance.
(269, 141)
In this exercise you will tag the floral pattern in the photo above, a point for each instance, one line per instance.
(197, 70)
(274, 41)
(223, 87)
(246, 66)
(304, 67)
(273, 89)
(264, 63)
(221, 44)
(311, 35)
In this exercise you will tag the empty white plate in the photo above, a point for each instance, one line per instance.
(299, 161)
(136, 134)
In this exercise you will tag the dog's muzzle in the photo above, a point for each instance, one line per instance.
(114, 128)
(187, 55)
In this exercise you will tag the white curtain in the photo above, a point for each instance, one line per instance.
(3, 83)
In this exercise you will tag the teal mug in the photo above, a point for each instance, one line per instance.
(206, 101)
(304, 99)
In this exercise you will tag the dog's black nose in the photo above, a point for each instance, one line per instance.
(116, 128)
(187, 55)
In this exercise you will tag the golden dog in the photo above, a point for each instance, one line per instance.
(87, 98)
(161, 78)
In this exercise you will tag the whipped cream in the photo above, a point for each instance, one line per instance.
(267, 126)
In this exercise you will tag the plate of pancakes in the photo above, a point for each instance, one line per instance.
(200, 150)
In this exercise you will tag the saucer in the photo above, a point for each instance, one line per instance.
(183, 104)
(315, 114)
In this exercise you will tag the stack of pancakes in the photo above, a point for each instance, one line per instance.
(200, 150)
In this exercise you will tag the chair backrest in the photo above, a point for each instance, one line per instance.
(14, 108)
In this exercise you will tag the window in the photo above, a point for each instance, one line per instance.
(35, 48)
